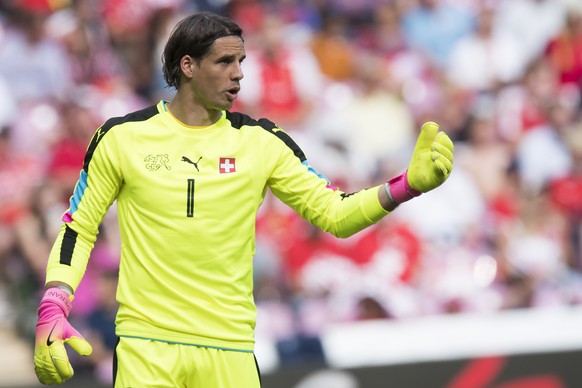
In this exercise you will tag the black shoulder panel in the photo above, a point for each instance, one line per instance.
(140, 115)
(238, 120)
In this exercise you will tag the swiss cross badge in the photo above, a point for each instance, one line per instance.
(226, 165)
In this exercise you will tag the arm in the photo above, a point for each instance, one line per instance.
(94, 193)
(345, 214)
(97, 188)
(311, 195)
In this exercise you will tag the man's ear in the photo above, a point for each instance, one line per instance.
(187, 66)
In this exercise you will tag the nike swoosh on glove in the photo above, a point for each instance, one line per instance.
(53, 330)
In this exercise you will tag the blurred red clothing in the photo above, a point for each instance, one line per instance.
(19, 175)
(565, 51)
(279, 97)
(299, 243)
(66, 160)
(566, 193)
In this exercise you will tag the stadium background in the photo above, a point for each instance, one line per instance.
(477, 284)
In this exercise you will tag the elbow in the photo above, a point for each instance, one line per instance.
(344, 235)
(339, 233)
(346, 229)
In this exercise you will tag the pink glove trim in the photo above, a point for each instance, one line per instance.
(55, 296)
(400, 188)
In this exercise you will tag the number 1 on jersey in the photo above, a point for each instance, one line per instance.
(190, 199)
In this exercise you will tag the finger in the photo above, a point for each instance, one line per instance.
(439, 149)
(80, 345)
(430, 129)
(444, 139)
(428, 134)
(442, 164)
(45, 369)
(60, 361)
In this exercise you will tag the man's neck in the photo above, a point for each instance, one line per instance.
(192, 114)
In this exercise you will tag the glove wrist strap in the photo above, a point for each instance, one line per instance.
(59, 297)
(400, 189)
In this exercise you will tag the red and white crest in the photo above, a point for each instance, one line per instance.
(226, 165)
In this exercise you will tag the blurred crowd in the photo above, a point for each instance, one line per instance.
(351, 81)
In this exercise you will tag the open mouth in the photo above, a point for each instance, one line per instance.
(232, 93)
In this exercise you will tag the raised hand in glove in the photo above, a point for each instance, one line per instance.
(431, 164)
(51, 362)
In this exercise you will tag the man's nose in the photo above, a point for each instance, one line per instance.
(238, 73)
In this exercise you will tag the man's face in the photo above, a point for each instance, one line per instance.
(216, 78)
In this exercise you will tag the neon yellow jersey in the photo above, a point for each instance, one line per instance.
(187, 199)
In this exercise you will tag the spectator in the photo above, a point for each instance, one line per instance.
(34, 66)
(523, 105)
(545, 140)
(86, 41)
(532, 23)
(282, 79)
(333, 51)
(484, 59)
(435, 26)
(387, 36)
(19, 175)
(564, 50)
(534, 253)
(566, 194)
(483, 143)
(356, 125)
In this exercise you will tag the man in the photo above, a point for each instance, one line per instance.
(189, 177)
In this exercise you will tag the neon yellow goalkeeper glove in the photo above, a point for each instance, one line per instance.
(431, 164)
(51, 362)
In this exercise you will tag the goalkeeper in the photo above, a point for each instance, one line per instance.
(189, 176)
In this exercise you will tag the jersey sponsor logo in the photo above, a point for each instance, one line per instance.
(195, 164)
(226, 165)
(155, 162)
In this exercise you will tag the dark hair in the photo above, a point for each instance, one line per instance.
(193, 36)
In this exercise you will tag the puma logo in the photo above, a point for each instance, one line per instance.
(185, 159)
(100, 133)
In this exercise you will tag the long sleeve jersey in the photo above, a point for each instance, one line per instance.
(187, 199)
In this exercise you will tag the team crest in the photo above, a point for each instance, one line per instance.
(155, 162)
(226, 165)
